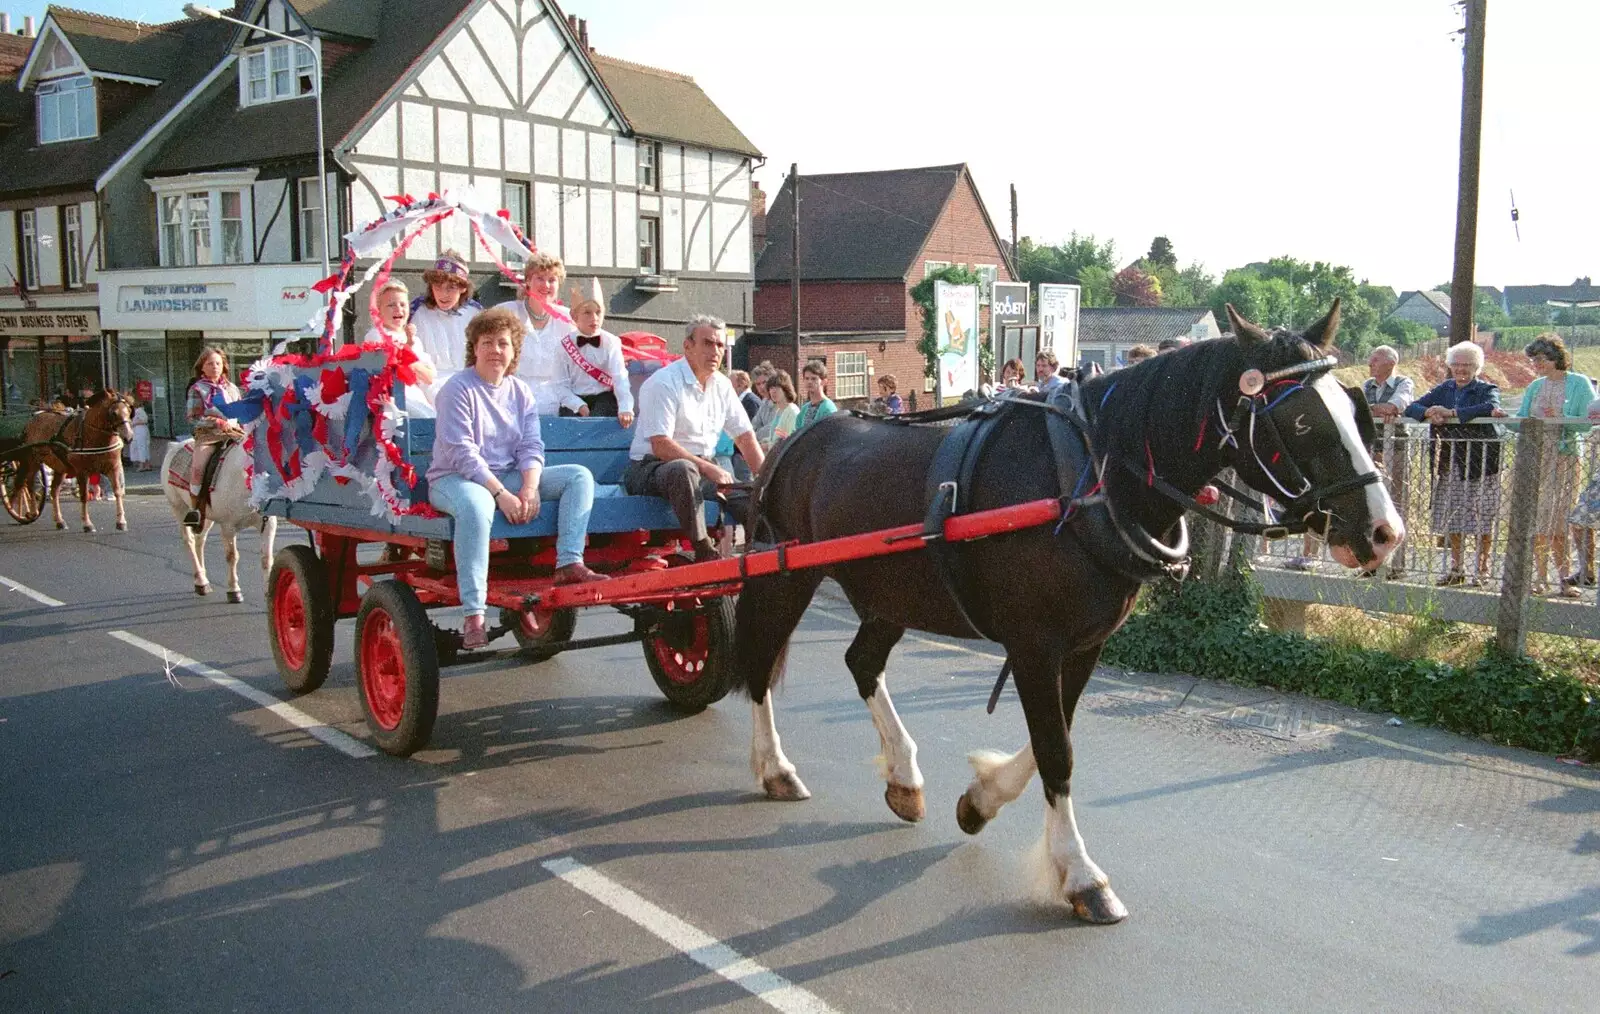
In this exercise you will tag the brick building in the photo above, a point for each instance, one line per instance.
(865, 240)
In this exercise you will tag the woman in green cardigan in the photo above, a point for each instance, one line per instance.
(1556, 394)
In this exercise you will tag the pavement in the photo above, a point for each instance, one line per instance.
(568, 843)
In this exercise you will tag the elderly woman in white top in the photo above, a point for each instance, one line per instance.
(543, 365)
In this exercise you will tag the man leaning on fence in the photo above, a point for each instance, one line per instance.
(1388, 395)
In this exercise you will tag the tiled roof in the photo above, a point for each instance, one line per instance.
(277, 131)
(117, 46)
(357, 19)
(1132, 324)
(29, 167)
(665, 106)
(13, 54)
(1535, 295)
(866, 225)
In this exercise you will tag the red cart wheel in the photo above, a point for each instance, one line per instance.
(397, 668)
(691, 655)
(300, 618)
(536, 629)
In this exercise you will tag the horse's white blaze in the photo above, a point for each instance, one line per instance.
(1061, 863)
(766, 751)
(1000, 778)
(1379, 506)
(899, 756)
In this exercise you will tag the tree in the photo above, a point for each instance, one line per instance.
(1190, 287)
(1406, 333)
(1529, 316)
(1161, 254)
(1135, 287)
(1381, 297)
(1063, 263)
(1097, 288)
(1487, 313)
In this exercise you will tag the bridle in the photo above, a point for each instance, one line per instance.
(1253, 433)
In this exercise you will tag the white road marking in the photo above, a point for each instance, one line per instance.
(347, 745)
(37, 596)
(767, 986)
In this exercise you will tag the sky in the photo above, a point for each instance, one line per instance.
(1240, 129)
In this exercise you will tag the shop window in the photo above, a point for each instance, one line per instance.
(275, 72)
(850, 375)
(67, 110)
(30, 248)
(310, 220)
(72, 245)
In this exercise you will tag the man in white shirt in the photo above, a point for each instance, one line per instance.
(544, 366)
(683, 408)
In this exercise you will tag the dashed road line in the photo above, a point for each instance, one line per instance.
(37, 596)
(323, 733)
(701, 947)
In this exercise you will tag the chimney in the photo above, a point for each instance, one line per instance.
(27, 27)
(758, 218)
(583, 34)
(5, 23)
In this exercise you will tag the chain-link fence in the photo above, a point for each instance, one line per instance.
(1453, 486)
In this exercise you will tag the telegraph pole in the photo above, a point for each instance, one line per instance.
(1463, 291)
(1013, 224)
(794, 258)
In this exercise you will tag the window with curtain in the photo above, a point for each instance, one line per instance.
(850, 375)
(255, 67)
(66, 110)
(197, 209)
(72, 244)
(277, 71)
(310, 220)
(30, 249)
(204, 227)
(171, 230)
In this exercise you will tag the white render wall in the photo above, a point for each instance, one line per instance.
(488, 109)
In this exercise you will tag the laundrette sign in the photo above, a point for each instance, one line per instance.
(187, 298)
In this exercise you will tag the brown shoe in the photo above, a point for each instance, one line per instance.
(576, 573)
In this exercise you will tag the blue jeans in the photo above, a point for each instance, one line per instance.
(571, 486)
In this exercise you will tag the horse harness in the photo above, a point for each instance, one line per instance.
(1115, 542)
(62, 448)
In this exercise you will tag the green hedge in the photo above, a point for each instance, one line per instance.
(1214, 630)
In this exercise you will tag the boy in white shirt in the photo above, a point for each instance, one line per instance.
(597, 353)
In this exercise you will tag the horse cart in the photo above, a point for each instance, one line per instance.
(681, 611)
(23, 490)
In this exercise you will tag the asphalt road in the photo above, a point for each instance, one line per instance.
(570, 844)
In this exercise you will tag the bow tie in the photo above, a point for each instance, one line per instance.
(586, 340)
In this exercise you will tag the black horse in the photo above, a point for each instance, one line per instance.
(1261, 403)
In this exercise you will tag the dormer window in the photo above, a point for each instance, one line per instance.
(273, 73)
(67, 110)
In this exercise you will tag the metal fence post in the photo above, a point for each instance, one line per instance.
(1511, 624)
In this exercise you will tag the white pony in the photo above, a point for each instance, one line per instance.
(230, 511)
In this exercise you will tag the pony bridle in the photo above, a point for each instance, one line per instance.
(1301, 501)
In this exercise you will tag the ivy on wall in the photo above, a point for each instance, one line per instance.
(922, 295)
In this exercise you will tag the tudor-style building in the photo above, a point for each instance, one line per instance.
(630, 173)
(90, 89)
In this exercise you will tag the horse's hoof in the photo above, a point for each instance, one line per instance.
(967, 816)
(236, 597)
(906, 802)
(122, 526)
(785, 787)
(1099, 905)
(202, 589)
(61, 526)
(88, 528)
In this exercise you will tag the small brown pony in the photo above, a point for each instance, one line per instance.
(87, 441)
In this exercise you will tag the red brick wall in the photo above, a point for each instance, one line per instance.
(832, 306)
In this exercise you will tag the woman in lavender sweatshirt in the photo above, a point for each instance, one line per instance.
(488, 456)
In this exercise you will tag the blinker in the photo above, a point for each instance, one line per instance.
(1251, 383)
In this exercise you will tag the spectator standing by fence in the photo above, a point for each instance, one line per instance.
(1389, 393)
(1558, 393)
(1465, 459)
